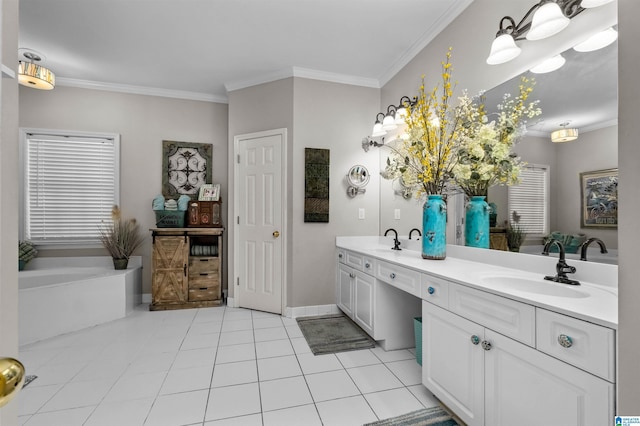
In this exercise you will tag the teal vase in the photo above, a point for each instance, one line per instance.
(476, 222)
(434, 228)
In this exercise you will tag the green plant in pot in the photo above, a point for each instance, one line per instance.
(515, 234)
(26, 252)
(121, 237)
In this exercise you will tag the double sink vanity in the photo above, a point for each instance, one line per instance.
(500, 345)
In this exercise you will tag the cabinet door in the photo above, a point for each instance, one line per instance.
(344, 289)
(170, 257)
(364, 298)
(528, 388)
(453, 362)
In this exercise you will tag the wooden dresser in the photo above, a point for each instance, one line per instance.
(187, 268)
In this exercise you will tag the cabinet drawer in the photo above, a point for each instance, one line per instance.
(204, 281)
(587, 346)
(435, 290)
(198, 265)
(212, 293)
(506, 316)
(355, 260)
(398, 276)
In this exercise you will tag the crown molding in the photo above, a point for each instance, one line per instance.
(140, 90)
(424, 40)
(598, 126)
(303, 73)
(8, 72)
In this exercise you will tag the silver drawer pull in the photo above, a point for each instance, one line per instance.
(367, 265)
(392, 275)
(340, 255)
(352, 275)
(486, 345)
(565, 341)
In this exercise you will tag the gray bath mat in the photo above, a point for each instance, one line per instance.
(435, 416)
(333, 333)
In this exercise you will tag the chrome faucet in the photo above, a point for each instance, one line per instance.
(396, 242)
(583, 247)
(417, 230)
(562, 269)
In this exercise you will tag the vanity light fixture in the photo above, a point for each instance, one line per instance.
(594, 3)
(544, 19)
(565, 134)
(33, 75)
(393, 118)
(597, 41)
(548, 65)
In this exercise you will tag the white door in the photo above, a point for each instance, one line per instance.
(260, 220)
(363, 297)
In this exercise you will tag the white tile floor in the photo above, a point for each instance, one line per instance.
(213, 367)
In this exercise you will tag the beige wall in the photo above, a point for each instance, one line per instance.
(629, 226)
(143, 122)
(335, 117)
(595, 150)
(9, 195)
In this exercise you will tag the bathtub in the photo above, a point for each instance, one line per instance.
(59, 295)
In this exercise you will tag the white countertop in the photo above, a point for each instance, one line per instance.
(491, 271)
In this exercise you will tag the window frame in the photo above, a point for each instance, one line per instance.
(547, 198)
(24, 133)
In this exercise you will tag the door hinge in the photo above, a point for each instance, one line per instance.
(238, 281)
(238, 158)
(238, 220)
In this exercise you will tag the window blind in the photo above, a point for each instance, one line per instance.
(71, 185)
(529, 200)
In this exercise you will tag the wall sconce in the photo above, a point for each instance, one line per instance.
(393, 118)
(543, 20)
(357, 178)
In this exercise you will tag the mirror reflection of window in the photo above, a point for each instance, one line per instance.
(529, 201)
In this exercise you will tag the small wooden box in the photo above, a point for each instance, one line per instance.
(204, 214)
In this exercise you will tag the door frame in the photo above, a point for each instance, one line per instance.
(282, 132)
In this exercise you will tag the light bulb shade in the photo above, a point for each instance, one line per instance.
(547, 21)
(36, 76)
(594, 3)
(597, 41)
(503, 49)
(378, 130)
(564, 135)
(548, 65)
(389, 122)
(401, 114)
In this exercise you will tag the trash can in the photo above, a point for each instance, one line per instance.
(417, 329)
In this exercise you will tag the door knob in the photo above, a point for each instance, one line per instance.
(11, 379)
(276, 234)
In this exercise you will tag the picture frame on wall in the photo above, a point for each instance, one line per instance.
(599, 199)
(186, 166)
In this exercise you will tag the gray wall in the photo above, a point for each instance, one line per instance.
(143, 122)
(628, 154)
(9, 195)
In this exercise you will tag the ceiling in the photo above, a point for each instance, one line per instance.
(201, 49)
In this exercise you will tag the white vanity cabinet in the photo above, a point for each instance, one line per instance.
(385, 312)
(490, 379)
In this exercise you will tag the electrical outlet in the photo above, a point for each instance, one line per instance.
(396, 214)
(360, 213)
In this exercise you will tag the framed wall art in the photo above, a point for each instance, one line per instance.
(599, 199)
(186, 166)
(316, 185)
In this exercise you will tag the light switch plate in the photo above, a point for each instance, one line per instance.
(396, 214)
(361, 213)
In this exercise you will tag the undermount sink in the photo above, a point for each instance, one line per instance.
(540, 286)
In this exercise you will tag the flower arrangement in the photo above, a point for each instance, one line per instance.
(120, 237)
(426, 158)
(450, 146)
(485, 155)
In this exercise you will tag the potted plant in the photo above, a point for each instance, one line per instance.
(120, 237)
(515, 237)
(26, 252)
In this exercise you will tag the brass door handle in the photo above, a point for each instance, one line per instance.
(11, 379)
(276, 234)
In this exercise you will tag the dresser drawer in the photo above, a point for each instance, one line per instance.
(198, 265)
(204, 280)
(435, 290)
(355, 260)
(585, 345)
(212, 293)
(398, 276)
(506, 316)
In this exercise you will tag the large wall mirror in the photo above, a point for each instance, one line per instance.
(584, 93)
